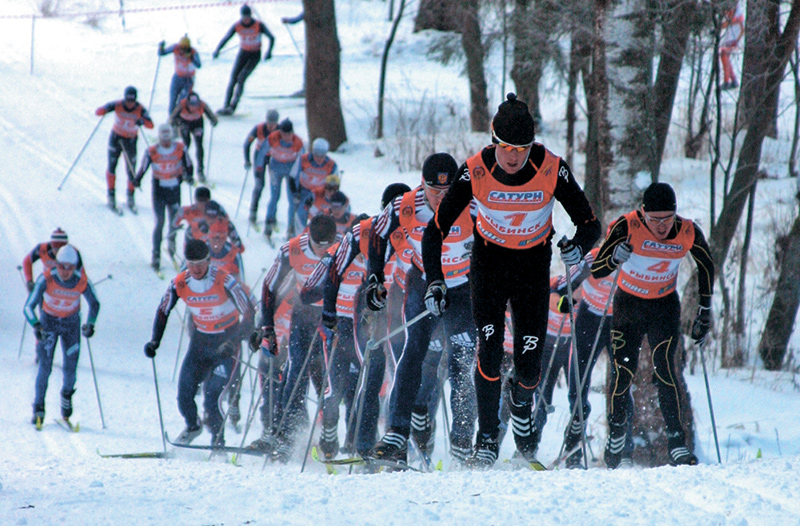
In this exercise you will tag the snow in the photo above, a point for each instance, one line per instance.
(54, 477)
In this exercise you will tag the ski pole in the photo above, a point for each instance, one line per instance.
(241, 194)
(294, 42)
(96, 388)
(158, 400)
(415, 319)
(64, 180)
(585, 376)
(24, 321)
(710, 406)
(208, 158)
(361, 389)
(180, 345)
(96, 283)
(153, 89)
(321, 401)
(287, 407)
(574, 357)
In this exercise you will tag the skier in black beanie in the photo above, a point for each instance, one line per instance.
(514, 182)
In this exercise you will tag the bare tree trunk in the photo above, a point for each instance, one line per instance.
(533, 24)
(629, 66)
(473, 49)
(323, 105)
(579, 55)
(796, 129)
(782, 314)
(442, 15)
(675, 34)
(598, 150)
(384, 62)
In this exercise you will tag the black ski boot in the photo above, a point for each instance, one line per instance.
(38, 416)
(265, 444)
(132, 203)
(423, 430)
(155, 262)
(329, 442)
(112, 201)
(189, 434)
(393, 446)
(574, 454)
(679, 454)
(526, 436)
(485, 453)
(460, 449)
(66, 404)
(615, 454)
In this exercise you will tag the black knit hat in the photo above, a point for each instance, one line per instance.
(286, 126)
(659, 197)
(245, 10)
(322, 229)
(392, 191)
(59, 236)
(202, 193)
(440, 169)
(195, 250)
(513, 124)
(338, 198)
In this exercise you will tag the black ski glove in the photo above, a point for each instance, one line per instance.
(269, 341)
(227, 348)
(701, 325)
(376, 293)
(329, 320)
(254, 341)
(30, 286)
(436, 297)
(39, 332)
(150, 349)
(563, 305)
(87, 330)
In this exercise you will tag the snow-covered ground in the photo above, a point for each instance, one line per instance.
(53, 477)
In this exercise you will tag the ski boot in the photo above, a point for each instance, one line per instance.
(155, 262)
(112, 201)
(132, 203)
(329, 442)
(264, 444)
(38, 416)
(283, 452)
(201, 175)
(526, 436)
(226, 111)
(484, 455)
(615, 451)
(66, 404)
(393, 446)
(460, 449)
(679, 454)
(423, 430)
(572, 442)
(189, 434)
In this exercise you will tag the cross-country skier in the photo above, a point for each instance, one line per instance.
(285, 149)
(411, 213)
(249, 30)
(222, 314)
(298, 256)
(188, 116)
(261, 157)
(315, 167)
(46, 253)
(58, 293)
(187, 60)
(513, 185)
(322, 202)
(171, 166)
(647, 246)
(128, 116)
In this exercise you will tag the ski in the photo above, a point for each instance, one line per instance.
(65, 424)
(116, 210)
(219, 449)
(159, 273)
(565, 455)
(146, 454)
(330, 468)
(255, 226)
(39, 423)
(519, 462)
(133, 209)
(374, 464)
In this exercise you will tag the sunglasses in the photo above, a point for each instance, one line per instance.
(659, 220)
(510, 147)
(436, 190)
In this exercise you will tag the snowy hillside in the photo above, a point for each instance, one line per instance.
(53, 477)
